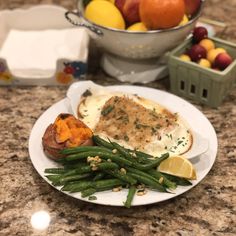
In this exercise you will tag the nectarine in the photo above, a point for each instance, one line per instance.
(129, 10)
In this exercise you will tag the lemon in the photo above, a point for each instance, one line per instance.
(178, 166)
(104, 13)
(112, 1)
(139, 26)
(184, 20)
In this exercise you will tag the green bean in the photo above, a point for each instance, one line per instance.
(79, 170)
(149, 182)
(88, 192)
(53, 178)
(99, 176)
(122, 151)
(101, 142)
(54, 171)
(80, 149)
(178, 180)
(141, 173)
(152, 164)
(70, 178)
(124, 177)
(107, 166)
(70, 165)
(143, 155)
(130, 196)
(140, 155)
(99, 184)
(108, 183)
(168, 183)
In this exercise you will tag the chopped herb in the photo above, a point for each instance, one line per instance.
(126, 138)
(179, 142)
(87, 93)
(107, 110)
(139, 126)
(92, 198)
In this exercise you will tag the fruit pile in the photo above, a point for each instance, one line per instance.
(140, 15)
(204, 51)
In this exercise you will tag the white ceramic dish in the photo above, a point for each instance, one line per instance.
(45, 50)
(202, 163)
(200, 143)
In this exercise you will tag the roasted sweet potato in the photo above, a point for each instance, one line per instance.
(65, 132)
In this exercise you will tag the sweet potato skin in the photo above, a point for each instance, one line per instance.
(50, 143)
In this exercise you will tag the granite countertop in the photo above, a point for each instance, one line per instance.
(207, 209)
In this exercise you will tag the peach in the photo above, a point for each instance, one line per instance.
(192, 6)
(129, 10)
(207, 44)
(223, 60)
(212, 54)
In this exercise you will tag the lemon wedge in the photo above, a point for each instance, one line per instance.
(104, 13)
(178, 166)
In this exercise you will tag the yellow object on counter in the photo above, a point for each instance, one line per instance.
(104, 13)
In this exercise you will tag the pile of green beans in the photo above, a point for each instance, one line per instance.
(108, 165)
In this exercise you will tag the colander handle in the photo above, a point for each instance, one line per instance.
(80, 24)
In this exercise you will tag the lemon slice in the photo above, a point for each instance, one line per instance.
(178, 166)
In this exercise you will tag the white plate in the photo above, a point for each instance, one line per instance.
(193, 116)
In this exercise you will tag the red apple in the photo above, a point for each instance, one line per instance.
(199, 33)
(129, 10)
(223, 60)
(197, 52)
(192, 6)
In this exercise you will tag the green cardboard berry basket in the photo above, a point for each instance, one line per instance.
(204, 85)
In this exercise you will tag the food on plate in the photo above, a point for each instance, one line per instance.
(178, 166)
(109, 166)
(65, 132)
(134, 122)
(120, 141)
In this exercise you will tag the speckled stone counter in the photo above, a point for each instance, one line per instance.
(207, 209)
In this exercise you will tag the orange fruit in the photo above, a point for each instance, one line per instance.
(161, 14)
